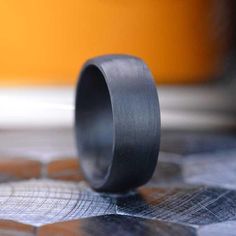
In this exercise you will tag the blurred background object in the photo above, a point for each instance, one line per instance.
(188, 44)
(46, 41)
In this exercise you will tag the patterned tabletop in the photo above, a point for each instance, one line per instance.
(42, 191)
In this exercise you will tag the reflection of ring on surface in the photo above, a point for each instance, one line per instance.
(117, 123)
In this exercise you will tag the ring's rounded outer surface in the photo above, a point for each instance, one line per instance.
(117, 134)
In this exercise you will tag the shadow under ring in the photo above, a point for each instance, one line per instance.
(117, 123)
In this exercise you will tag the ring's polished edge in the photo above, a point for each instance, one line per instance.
(117, 122)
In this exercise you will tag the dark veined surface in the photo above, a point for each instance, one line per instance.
(42, 192)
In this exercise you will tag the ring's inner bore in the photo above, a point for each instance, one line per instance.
(94, 127)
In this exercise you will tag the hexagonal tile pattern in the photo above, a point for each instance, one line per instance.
(42, 191)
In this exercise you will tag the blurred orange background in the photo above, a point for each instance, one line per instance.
(45, 42)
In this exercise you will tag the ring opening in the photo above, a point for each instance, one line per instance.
(94, 124)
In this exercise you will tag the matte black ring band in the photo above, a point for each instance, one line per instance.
(117, 121)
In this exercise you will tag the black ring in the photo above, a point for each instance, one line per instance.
(117, 121)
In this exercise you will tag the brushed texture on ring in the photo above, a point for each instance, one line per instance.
(117, 122)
